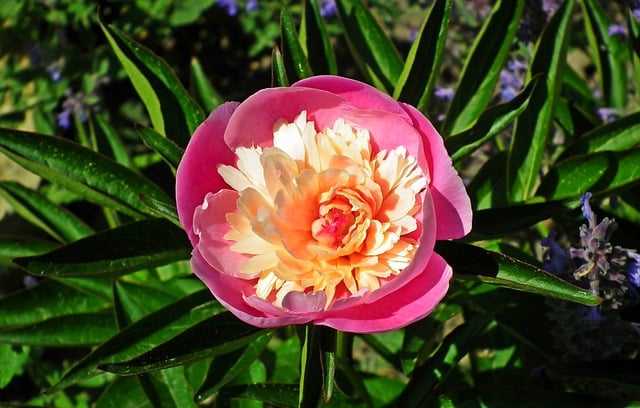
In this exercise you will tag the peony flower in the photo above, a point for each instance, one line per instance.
(321, 203)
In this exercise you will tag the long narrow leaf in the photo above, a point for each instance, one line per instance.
(482, 69)
(138, 337)
(315, 40)
(172, 111)
(489, 124)
(80, 170)
(617, 136)
(56, 221)
(170, 152)
(607, 52)
(599, 173)
(203, 89)
(292, 51)
(131, 247)
(15, 246)
(534, 124)
(374, 53)
(278, 70)
(472, 262)
(422, 68)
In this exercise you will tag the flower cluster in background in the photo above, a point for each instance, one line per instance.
(609, 271)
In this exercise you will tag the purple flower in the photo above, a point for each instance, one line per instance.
(557, 257)
(617, 29)
(231, 6)
(635, 8)
(445, 94)
(327, 8)
(633, 269)
(607, 114)
(76, 104)
(252, 5)
(64, 119)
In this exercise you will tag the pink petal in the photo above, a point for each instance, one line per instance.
(231, 293)
(401, 308)
(197, 173)
(359, 94)
(212, 225)
(253, 121)
(451, 201)
(299, 302)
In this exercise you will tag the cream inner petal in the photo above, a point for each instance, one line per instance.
(319, 212)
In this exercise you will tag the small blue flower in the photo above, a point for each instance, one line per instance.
(557, 257)
(64, 119)
(445, 94)
(231, 6)
(252, 5)
(617, 29)
(633, 269)
(635, 8)
(327, 8)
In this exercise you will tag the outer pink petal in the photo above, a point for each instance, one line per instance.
(451, 201)
(197, 173)
(410, 304)
(252, 123)
(212, 225)
(231, 292)
(359, 94)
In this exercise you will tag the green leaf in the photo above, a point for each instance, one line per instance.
(47, 300)
(633, 29)
(279, 395)
(599, 173)
(66, 331)
(313, 38)
(617, 136)
(421, 70)
(172, 111)
(153, 329)
(278, 70)
(482, 69)
(533, 125)
(123, 392)
(207, 95)
(619, 376)
(472, 262)
(188, 11)
(294, 56)
(56, 221)
(80, 170)
(373, 51)
(226, 367)
(502, 221)
(170, 152)
(104, 128)
(489, 124)
(488, 188)
(13, 361)
(216, 335)
(427, 378)
(131, 247)
(607, 53)
(12, 246)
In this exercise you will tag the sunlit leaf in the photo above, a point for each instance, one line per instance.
(80, 170)
(372, 50)
(68, 330)
(607, 54)
(618, 135)
(292, 52)
(315, 40)
(140, 336)
(422, 68)
(56, 221)
(278, 70)
(489, 124)
(598, 173)
(216, 335)
(172, 111)
(131, 247)
(534, 124)
(203, 89)
(482, 68)
(472, 262)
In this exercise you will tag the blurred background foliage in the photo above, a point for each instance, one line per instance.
(131, 327)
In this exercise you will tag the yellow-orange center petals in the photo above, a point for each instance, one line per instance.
(319, 212)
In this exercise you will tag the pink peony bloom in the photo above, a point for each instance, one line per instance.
(321, 203)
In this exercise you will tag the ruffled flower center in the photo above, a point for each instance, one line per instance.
(319, 212)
